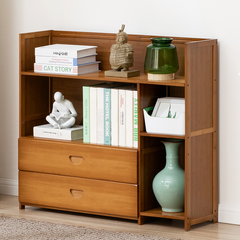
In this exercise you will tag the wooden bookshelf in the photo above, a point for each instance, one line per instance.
(116, 181)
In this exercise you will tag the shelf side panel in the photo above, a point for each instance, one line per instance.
(200, 84)
(28, 42)
(201, 183)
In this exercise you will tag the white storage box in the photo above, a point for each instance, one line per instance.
(163, 125)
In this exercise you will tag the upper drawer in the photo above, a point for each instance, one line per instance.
(67, 158)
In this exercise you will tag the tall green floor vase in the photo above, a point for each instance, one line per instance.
(168, 184)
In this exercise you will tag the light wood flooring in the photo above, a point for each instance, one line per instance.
(158, 227)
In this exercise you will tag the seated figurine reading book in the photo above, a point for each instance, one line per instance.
(63, 113)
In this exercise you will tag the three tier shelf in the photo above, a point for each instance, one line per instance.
(116, 181)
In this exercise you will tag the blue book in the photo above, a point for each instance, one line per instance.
(107, 116)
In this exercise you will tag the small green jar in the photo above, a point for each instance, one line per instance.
(161, 57)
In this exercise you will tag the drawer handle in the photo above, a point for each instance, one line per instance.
(76, 193)
(76, 160)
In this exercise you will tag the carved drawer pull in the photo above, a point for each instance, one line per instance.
(76, 160)
(76, 193)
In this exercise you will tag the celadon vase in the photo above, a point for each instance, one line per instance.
(168, 184)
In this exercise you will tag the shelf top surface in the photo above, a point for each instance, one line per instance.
(179, 82)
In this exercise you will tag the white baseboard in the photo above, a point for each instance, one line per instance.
(8, 186)
(229, 214)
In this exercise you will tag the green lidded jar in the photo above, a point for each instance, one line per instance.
(161, 58)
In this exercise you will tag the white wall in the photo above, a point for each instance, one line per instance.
(187, 18)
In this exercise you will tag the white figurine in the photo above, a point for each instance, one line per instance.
(63, 113)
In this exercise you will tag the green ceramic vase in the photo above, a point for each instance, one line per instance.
(161, 57)
(168, 184)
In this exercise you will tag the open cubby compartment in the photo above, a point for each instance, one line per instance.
(148, 97)
(152, 161)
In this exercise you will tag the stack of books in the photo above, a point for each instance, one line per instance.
(66, 59)
(110, 115)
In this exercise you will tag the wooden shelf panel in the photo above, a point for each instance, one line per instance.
(145, 134)
(157, 212)
(179, 82)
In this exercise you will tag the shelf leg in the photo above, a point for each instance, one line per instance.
(187, 224)
(21, 206)
(143, 219)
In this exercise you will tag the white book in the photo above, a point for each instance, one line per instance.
(66, 70)
(93, 115)
(135, 119)
(100, 115)
(129, 118)
(114, 117)
(47, 131)
(65, 50)
(122, 118)
(67, 61)
(155, 109)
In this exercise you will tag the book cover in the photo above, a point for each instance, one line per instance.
(47, 131)
(66, 61)
(66, 70)
(86, 114)
(100, 115)
(114, 117)
(129, 118)
(65, 50)
(107, 116)
(93, 115)
(135, 119)
(122, 118)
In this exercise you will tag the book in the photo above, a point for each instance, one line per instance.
(135, 119)
(114, 117)
(67, 70)
(129, 118)
(65, 50)
(47, 131)
(93, 115)
(107, 116)
(100, 115)
(122, 118)
(67, 61)
(86, 114)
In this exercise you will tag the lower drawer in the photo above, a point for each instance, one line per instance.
(80, 194)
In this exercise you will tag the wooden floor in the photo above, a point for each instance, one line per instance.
(158, 227)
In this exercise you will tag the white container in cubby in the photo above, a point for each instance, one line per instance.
(163, 125)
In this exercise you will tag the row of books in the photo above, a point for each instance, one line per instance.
(66, 59)
(110, 115)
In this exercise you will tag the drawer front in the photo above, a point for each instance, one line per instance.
(79, 160)
(96, 196)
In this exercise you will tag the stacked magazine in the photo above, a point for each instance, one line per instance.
(66, 59)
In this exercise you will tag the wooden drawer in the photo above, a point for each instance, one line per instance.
(80, 160)
(80, 194)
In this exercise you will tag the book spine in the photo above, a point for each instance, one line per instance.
(86, 115)
(122, 118)
(65, 60)
(56, 60)
(114, 117)
(107, 116)
(48, 68)
(100, 115)
(135, 119)
(93, 115)
(129, 118)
